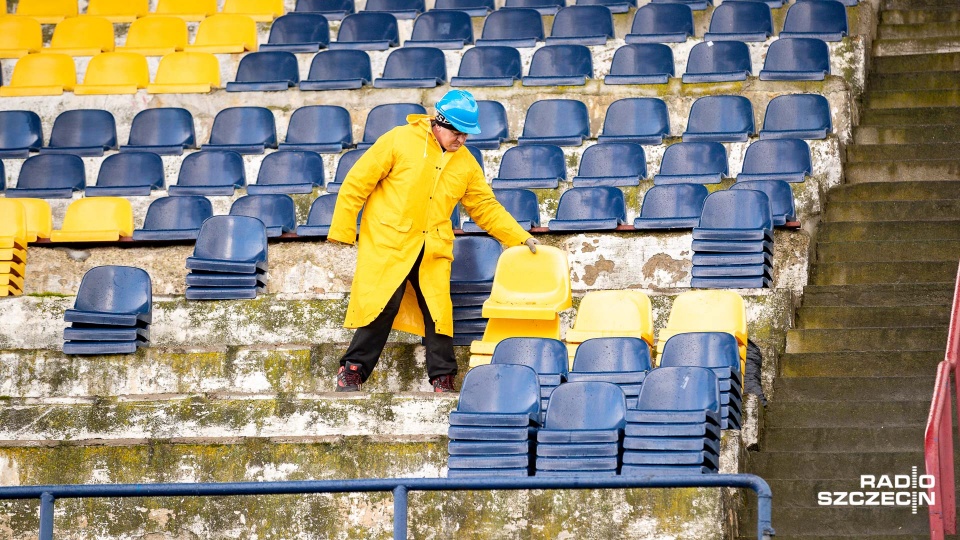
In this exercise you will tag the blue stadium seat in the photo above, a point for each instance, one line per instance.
(49, 176)
(333, 10)
(544, 7)
(174, 218)
(685, 394)
(718, 61)
(615, 6)
(383, 118)
(671, 206)
(720, 119)
(413, 67)
(612, 164)
(493, 126)
(212, 172)
(265, 72)
(298, 33)
(695, 5)
(338, 70)
(797, 116)
(320, 216)
(346, 162)
(326, 129)
(522, 205)
(128, 175)
(597, 208)
(276, 211)
(367, 31)
(582, 25)
(3, 177)
(531, 166)
(473, 8)
(738, 215)
(782, 207)
(796, 59)
(230, 244)
(612, 356)
(84, 132)
(581, 413)
(740, 21)
(474, 263)
(113, 295)
(661, 23)
(693, 163)
(245, 130)
(20, 134)
(288, 172)
(489, 66)
(548, 357)
(498, 395)
(641, 63)
(824, 19)
(718, 352)
(165, 131)
(512, 27)
(401, 9)
(777, 159)
(562, 122)
(636, 120)
(443, 29)
(560, 65)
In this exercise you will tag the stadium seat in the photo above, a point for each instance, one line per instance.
(547, 357)
(718, 61)
(636, 120)
(13, 226)
(188, 10)
(275, 210)
(333, 10)
(84, 132)
(19, 36)
(641, 63)
(346, 162)
(518, 28)
(383, 118)
(561, 122)
(733, 243)
(325, 129)
(401, 9)
(298, 33)
(119, 11)
(48, 11)
(367, 31)
(338, 70)
(661, 23)
(707, 311)
(475, 262)
(186, 73)
(245, 130)
(522, 205)
(45, 74)
(258, 10)
(229, 260)
(582, 25)
(320, 216)
(81, 36)
(112, 312)
(212, 172)
(612, 164)
(156, 35)
(544, 7)
(671, 206)
(114, 73)
(693, 163)
(174, 218)
(20, 134)
(489, 66)
(615, 6)
(265, 72)
(560, 65)
(96, 219)
(603, 314)
(49, 176)
(413, 67)
(782, 207)
(129, 174)
(623, 361)
(509, 392)
(720, 119)
(39, 219)
(796, 59)
(444, 29)
(473, 8)
(718, 352)
(225, 34)
(493, 126)
(596, 208)
(530, 286)
(740, 21)
(793, 116)
(825, 19)
(531, 166)
(287, 172)
(777, 159)
(165, 131)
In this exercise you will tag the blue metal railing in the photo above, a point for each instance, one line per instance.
(398, 486)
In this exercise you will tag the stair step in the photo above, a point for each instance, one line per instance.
(813, 390)
(915, 46)
(858, 521)
(909, 116)
(915, 4)
(917, 80)
(894, 152)
(848, 414)
(872, 317)
(897, 171)
(926, 250)
(887, 272)
(881, 99)
(831, 465)
(852, 296)
(912, 211)
(848, 231)
(949, 61)
(925, 30)
(845, 439)
(800, 493)
(910, 135)
(918, 16)
(858, 364)
(921, 338)
(892, 191)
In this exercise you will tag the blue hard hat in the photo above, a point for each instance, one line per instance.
(459, 109)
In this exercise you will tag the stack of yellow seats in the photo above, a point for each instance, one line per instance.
(529, 292)
(625, 313)
(708, 311)
(13, 247)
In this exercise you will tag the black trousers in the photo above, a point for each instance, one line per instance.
(368, 341)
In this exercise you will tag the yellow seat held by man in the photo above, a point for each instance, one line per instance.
(115, 73)
(41, 75)
(258, 10)
(156, 36)
(19, 36)
(96, 219)
(39, 219)
(225, 34)
(48, 11)
(188, 10)
(186, 73)
(82, 36)
(119, 11)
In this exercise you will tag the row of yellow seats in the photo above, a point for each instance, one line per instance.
(92, 219)
(22, 221)
(149, 36)
(125, 11)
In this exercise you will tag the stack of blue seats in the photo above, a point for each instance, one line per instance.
(493, 430)
(471, 279)
(623, 361)
(675, 428)
(733, 243)
(112, 313)
(718, 352)
(229, 261)
(547, 357)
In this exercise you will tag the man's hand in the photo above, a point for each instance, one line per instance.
(532, 244)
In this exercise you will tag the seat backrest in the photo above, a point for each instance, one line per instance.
(341, 64)
(491, 61)
(163, 126)
(474, 258)
(643, 59)
(778, 192)
(674, 200)
(637, 116)
(595, 202)
(788, 156)
(291, 167)
(680, 389)
(798, 54)
(663, 19)
(295, 28)
(383, 118)
(535, 4)
(263, 7)
(180, 7)
(321, 210)
(52, 171)
(418, 6)
(493, 119)
(212, 168)
(39, 217)
(83, 32)
(132, 169)
(20, 33)
(613, 159)
(443, 25)
(269, 66)
(533, 161)
(587, 406)
(325, 6)
(188, 68)
(532, 280)
(500, 388)
(115, 289)
(227, 28)
(158, 31)
(545, 356)
(740, 17)
(522, 204)
(719, 57)
(736, 209)
(826, 16)
(112, 8)
(319, 124)
(347, 161)
(701, 349)
(232, 238)
(84, 127)
(244, 125)
(98, 214)
(709, 311)
(577, 21)
(118, 68)
(172, 213)
(554, 60)
(613, 354)
(47, 8)
(369, 26)
(557, 117)
(47, 69)
(20, 129)
(13, 219)
(721, 114)
(616, 313)
(796, 112)
(416, 63)
(695, 158)
(458, 5)
(513, 23)
(274, 210)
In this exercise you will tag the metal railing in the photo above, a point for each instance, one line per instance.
(400, 487)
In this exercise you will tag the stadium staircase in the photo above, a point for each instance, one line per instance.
(853, 390)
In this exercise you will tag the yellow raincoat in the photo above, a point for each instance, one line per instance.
(410, 187)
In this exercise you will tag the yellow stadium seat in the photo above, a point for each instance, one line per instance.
(14, 255)
(39, 219)
(225, 34)
(17, 269)
(498, 330)
(19, 36)
(10, 279)
(96, 219)
(530, 286)
(186, 73)
(13, 225)
(82, 36)
(119, 11)
(708, 311)
(48, 11)
(258, 10)
(115, 73)
(7, 290)
(41, 75)
(156, 36)
(188, 10)
(624, 313)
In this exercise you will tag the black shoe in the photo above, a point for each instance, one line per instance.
(349, 378)
(443, 383)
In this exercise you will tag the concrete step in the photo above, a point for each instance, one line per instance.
(859, 153)
(859, 364)
(800, 493)
(887, 272)
(896, 99)
(815, 390)
(894, 171)
(917, 4)
(892, 191)
(917, 16)
(920, 338)
(831, 465)
(823, 317)
(845, 439)
(860, 522)
(916, 46)
(948, 61)
(910, 135)
(910, 211)
(845, 413)
(852, 296)
(899, 251)
(909, 116)
(914, 31)
(917, 80)
(891, 230)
